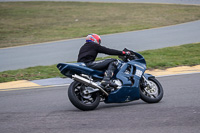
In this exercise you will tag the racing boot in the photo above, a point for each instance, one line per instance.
(106, 82)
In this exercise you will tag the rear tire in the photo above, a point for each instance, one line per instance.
(155, 94)
(80, 100)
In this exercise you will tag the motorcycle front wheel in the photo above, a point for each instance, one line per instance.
(151, 93)
(81, 99)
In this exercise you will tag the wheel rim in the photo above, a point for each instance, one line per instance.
(82, 95)
(151, 90)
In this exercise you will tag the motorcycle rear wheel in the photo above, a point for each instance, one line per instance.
(154, 94)
(81, 100)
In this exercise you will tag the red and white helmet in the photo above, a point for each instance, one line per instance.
(93, 38)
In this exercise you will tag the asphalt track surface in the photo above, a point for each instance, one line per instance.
(48, 110)
(67, 50)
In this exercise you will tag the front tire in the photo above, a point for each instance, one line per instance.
(151, 94)
(81, 100)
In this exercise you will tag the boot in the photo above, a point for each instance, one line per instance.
(106, 82)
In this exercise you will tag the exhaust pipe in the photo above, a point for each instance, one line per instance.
(88, 83)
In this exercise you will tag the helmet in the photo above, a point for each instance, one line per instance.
(93, 38)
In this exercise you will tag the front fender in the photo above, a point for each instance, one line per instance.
(147, 76)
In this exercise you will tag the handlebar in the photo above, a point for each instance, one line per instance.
(132, 56)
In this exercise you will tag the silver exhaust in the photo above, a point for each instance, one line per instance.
(88, 83)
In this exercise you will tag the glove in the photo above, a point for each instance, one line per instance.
(127, 53)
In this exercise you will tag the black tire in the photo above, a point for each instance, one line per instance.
(154, 98)
(75, 94)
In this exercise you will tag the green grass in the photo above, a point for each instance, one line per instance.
(185, 55)
(32, 73)
(159, 58)
(24, 23)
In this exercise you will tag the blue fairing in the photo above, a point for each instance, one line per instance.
(130, 80)
(69, 69)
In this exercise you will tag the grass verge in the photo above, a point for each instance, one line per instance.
(159, 58)
(33, 22)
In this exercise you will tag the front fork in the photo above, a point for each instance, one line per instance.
(146, 82)
(147, 85)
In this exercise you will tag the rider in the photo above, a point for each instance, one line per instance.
(88, 53)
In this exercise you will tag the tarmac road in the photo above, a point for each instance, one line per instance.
(67, 50)
(48, 110)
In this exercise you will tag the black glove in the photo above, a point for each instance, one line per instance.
(127, 53)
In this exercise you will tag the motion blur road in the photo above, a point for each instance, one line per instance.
(48, 110)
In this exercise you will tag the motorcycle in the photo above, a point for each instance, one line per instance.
(85, 92)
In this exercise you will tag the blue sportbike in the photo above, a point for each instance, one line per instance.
(133, 83)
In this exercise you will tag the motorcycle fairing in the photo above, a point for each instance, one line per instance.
(69, 69)
(131, 81)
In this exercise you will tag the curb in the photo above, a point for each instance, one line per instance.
(42, 83)
(51, 82)
(175, 71)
